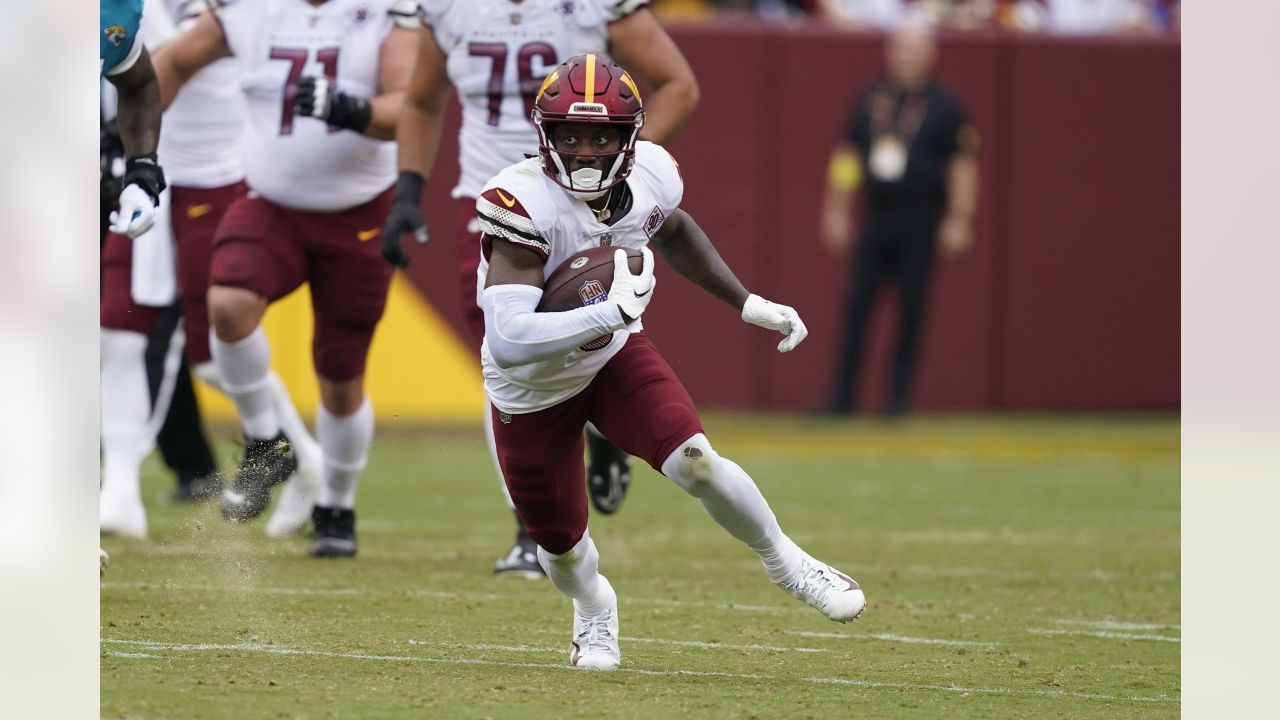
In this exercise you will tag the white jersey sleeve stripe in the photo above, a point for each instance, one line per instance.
(135, 52)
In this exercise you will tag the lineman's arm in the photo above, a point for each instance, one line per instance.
(189, 53)
(688, 250)
(640, 45)
(138, 113)
(422, 115)
(395, 65)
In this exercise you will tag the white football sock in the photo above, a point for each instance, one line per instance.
(295, 428)
(577, 574)
(731, 498)
(207, 371)
(245, 367)
(345, 441)
(493, 455)
(126, 409)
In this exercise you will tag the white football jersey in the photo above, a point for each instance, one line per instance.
(200, 142)
(299, 162)
(498, 52)
(522, 205)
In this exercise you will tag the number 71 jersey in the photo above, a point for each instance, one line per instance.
(498, 52)
(301, 162)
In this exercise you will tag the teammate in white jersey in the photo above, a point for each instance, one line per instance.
(323, 81)
(593, 180)
(200, 148)
(495, 53)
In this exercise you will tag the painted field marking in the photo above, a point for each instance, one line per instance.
(1109, 624)
(1106, 634)
(889, 637)
(655, 641)
(155, 646)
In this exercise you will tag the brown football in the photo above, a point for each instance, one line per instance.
(583, 279)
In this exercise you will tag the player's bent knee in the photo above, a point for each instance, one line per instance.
(342, 398)
(234, 312)
(692, 465)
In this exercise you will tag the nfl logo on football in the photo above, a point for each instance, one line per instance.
(592, 292)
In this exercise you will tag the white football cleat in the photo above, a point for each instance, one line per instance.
(830, 591)
(120, 512)
(300, 493)
(595, 638)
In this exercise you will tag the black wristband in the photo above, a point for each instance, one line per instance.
(350, 112)
(409, 187)
(144, 172)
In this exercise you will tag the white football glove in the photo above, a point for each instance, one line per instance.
(772, 316)
(632, 293)
(137, 212)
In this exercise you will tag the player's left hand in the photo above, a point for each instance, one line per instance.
(143, 182)
(316, 97)
(772, 316)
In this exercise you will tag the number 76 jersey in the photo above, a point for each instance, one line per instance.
(497, 53)
(300, 162)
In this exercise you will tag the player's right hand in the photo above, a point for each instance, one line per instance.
(632, 293)
(405, 217)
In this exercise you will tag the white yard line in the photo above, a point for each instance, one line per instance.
(889, 637)
(1109, 624)
(655, 641)
(154, 646)
(1106, 634)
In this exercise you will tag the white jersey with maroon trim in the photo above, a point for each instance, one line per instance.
(523, 206)
(200, 145)
(498, 52)
(300, 162)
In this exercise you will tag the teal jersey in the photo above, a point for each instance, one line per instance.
(119, 20)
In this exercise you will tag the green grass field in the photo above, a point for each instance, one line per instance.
(1015, 567)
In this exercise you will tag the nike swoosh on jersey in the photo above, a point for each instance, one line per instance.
(198, 211)
(367, 235)
(509, 202)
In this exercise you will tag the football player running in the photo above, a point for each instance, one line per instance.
(592, 176)
(323, 81)
(496, 52)
(200, 148)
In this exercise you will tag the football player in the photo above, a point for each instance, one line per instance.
(200, 148)
(545, 382)
(323, 81)
(496, 52)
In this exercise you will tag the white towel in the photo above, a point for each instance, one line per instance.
(154, 281)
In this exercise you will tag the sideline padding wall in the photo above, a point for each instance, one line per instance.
(1069, 300)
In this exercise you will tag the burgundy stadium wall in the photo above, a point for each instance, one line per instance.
(1070, 298)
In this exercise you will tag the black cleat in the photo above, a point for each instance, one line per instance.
(608, 474)
(520, 561)
(266, 463)
(335, 533)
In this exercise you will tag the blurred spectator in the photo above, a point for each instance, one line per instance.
(1088, 17)
(919, 155)
(776, 10)
(888, 14)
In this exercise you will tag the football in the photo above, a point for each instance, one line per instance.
(583, 279)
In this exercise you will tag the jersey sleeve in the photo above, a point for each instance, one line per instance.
(405, 14)
(118, 44)
(615, 10)
(434, 14)
(503, 216)
(960, 137)
(237, 18)
(857, 130)
(664, 172)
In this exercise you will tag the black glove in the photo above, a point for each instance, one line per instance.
(316, 97)
(144, 172)
(406, 216)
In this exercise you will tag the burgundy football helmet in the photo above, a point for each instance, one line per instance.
(588, 89)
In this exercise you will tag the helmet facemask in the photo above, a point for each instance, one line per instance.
(587, 183)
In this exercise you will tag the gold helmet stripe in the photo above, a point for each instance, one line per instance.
(546, 83)
(626, 80)
(591, 78)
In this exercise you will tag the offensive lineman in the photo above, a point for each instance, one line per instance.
(496, 52)
(323, 80)
(201, 151)
(592, 177)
